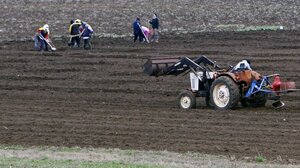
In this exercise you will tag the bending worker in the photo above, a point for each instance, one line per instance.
(40, 37)
(74, 31)
(87, 33)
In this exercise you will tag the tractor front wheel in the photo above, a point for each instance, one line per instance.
(224, 93)
(187, 100)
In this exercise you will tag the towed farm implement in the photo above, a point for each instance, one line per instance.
(222, 88)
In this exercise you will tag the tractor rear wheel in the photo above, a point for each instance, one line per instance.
(187, 100)
(224, 93)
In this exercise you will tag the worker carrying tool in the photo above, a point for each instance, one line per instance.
(42, 40)
(75, 33)
(137, 31)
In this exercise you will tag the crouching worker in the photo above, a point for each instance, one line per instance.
(146, 34)
(87, 33)
(75, 33)
(40, 38)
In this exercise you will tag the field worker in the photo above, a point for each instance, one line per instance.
(75, 33)
(146, 32)
(87, 33)
(155, 25)
(41, 35)
(137, 32)
(243, 65)
(69, 42)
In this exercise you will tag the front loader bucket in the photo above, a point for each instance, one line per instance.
(156, 66)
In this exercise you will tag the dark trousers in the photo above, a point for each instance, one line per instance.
(45, 45)
(74, 40)
(87, 44)
(40, 44)
(137, 35)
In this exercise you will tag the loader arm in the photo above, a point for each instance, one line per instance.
(159, 67)
(181, 66)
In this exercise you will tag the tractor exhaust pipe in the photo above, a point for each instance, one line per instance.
(156, 66)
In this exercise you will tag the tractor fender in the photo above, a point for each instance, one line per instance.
(246, 76)
(229, 74)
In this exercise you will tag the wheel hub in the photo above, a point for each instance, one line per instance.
(221, 95)
(185, 102)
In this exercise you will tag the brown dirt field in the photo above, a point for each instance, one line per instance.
(101, 98)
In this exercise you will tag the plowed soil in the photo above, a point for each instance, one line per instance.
(101, 98)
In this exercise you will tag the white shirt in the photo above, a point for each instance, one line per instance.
(243, 65)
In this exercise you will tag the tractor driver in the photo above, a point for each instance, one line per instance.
(243, 65)
(246, 65)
